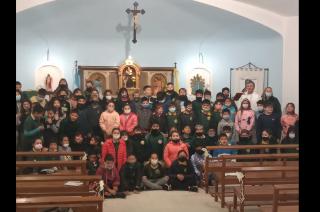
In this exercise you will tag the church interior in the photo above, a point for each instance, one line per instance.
(148, 105)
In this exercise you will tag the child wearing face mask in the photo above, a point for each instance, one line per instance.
(197, 161)
(144, 114)
(199, 138)
(94, 146)
(226, 121)
(128, 119)
(65, 147)
(230, 105)
(267, 139)
(216, 114)
(155, 141)
(125, 137)
(205, 117)
(197, 103)
(110, 177)
(173, 147)
(116, 147)
(290, 138)
(181, 174)
(187, 117)
(212, 138)
(153, 177)
(109, 119)
(139, 144)
(228, 131)
(92, 163)
(160, 117)
(130, 176)
(78, 144)
(187, 136)
(37, 146)
(244, 123)
(173, 117)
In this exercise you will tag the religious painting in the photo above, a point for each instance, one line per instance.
(240, 76)
(198, 78)
(48, 77)
(99, 82)
(158, 83)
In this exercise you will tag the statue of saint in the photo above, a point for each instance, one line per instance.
(48, 83)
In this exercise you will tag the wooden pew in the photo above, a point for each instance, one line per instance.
(220, 166)
(27, 186)
(259, 147)
(83, 203)
(281, 204)
(262, 193)
(80, 166)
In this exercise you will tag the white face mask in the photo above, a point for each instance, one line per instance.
(245, 106)
(172, 109)
(108, 97)
(38, 146)
(65, 145)
(228, 134)
(268, 94)
(226, 117)
(260, 108)
(116, 136)
(154, 161)
(292, 135)
(127, 111)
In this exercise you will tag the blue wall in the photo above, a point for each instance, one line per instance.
(219, 55)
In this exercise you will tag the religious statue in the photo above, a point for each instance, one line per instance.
(129, 78)
(48, 83)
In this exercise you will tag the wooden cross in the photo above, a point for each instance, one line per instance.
(135, 13)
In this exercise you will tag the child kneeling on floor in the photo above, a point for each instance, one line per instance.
(110, 177)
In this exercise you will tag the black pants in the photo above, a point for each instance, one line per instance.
(245, 141)
(182, 185)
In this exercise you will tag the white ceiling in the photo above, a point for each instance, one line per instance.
(281, 7)
(165, 20)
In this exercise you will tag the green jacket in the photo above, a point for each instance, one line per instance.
(205, 120)
(68, 128)
(197, 107)
(156, 143)
(173, 120)
(216, 118)
(31, 131)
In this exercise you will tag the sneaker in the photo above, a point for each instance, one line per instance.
(193, 188)
(120, 195)
(167, 187)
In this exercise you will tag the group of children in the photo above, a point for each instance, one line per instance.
(149, 142)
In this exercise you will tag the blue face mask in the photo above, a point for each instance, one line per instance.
(18, 98)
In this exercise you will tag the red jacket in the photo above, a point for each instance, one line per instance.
(171, 150)
(128, 122)
(108, 148)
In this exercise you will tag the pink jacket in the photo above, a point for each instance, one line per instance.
(128, 122)
(108, 121)
(241, 121)
(171, 150)
(287, 121)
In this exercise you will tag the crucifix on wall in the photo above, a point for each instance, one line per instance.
(135, 13)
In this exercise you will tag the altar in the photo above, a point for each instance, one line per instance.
(129, 75)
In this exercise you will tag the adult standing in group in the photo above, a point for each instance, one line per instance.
(267, 96)
(250, 94)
